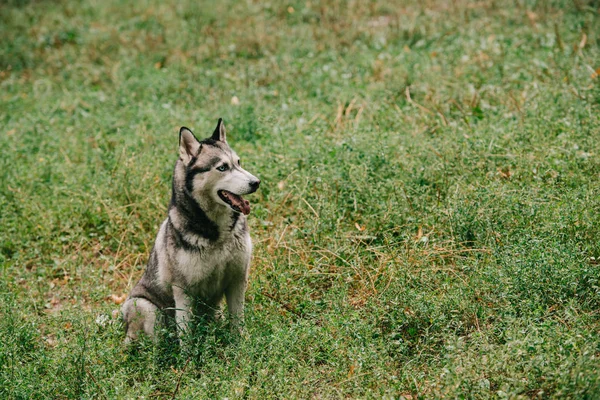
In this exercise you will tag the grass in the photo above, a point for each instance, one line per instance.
(427, 225)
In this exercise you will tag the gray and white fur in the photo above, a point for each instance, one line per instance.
(203, 248)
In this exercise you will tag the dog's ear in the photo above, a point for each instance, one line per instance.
(189, 146)
(219, 133)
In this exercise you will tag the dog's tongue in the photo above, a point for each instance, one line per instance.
(245, 206)
(240, 203)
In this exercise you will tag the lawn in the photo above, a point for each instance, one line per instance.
(428, 223)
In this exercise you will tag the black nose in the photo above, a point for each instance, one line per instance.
(254, 184)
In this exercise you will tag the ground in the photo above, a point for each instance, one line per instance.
(427, 224)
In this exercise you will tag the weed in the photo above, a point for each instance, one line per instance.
(427, 225)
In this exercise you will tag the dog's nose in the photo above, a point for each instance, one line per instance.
(254, 184)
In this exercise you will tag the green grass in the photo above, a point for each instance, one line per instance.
(428, 224)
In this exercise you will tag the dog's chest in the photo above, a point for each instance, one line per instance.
(212, 267)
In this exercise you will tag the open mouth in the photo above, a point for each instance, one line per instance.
(237, 203)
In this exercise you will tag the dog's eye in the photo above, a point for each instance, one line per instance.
(223, 168)
(240, 163)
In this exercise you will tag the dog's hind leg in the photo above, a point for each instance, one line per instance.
(139, 315)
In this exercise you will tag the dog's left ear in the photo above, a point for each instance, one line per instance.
(219, 133)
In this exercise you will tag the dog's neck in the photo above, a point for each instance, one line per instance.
(208, 221)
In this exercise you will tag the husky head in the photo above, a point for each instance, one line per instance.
(211, 173)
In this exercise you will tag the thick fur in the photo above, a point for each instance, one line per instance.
(203, 247)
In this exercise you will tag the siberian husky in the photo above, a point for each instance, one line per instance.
(203, 247)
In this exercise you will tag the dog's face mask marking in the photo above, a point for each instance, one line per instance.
(213, 170)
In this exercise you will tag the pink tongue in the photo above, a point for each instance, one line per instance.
(245, 207)
(239, 202)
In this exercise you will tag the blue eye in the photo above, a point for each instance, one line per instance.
(223, 168)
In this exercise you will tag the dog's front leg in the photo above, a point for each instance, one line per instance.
(183, 310)
(235, 294)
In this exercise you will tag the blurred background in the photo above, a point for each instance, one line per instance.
(427, 225)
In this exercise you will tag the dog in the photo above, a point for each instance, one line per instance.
(203, 248)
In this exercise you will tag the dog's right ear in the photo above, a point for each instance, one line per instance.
(189, 146)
